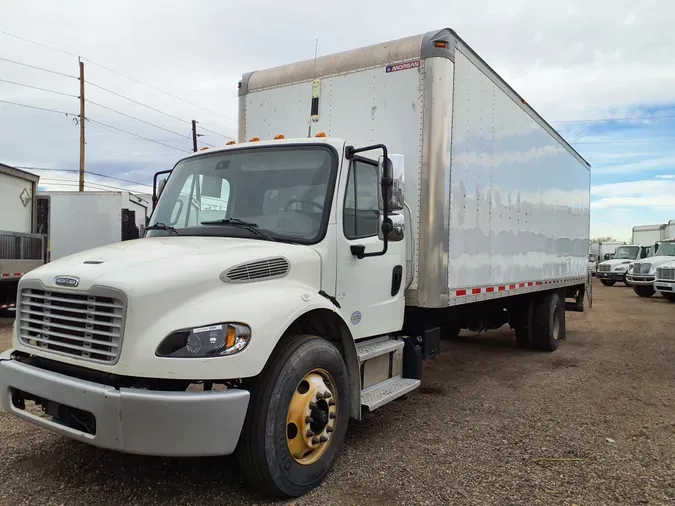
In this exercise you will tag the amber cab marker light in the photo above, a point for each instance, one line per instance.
(440, 43)
(279, 137)
(254, 139)
(229, 143)
(321, 134)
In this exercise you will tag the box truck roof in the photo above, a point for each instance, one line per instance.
(397, 53)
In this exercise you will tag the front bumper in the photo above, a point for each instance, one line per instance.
(148, 422)
(664, 286)
(641, 280)
(610, 275)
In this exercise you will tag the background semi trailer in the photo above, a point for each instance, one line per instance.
(649, 234)
(21, 248)
(77, 221)
(414, 194)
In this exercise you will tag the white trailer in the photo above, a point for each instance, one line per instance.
(78, 221)
(670, 231)
(21, 248)
(415, 194)
(649, 234)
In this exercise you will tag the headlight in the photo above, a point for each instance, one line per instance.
(213, 341)
(620, 268)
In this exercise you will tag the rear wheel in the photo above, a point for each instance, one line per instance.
(607, 282)
(297, 420)
(643, 291)
(670, 297)
(549, 323)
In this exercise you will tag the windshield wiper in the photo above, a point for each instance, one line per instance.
(236, 222)
(162, 226)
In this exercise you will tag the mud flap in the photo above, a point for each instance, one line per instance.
(589, 290)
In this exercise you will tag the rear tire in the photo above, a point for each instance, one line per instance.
(670, 297)
(608, 282)
(264, 449)
(643, 291)
(549, 323)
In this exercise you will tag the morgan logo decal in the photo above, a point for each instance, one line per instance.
(355, 318)
(403, 66)
(68, 281)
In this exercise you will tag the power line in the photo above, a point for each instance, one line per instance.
(136, 135)
(39, 108)
(37, 68)
(138, 119)
(216, 133)
(38, 88)
(76, 183)
(86, 172)
(136, 102)
(118, 73)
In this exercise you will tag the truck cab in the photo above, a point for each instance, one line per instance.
(616, 269)
(664, 281)
(643, 274)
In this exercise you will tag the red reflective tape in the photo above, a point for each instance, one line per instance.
(474, 291)
(502, 288)
(7, 306)
(521, 285)
(18, 274)
(538, 283)
(512, 287)
(459, 293)
(490, 289)
(530, 283)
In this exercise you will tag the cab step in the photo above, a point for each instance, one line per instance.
(387, 391)
(373, 348)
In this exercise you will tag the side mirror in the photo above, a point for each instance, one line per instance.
(160, 187)
(395, 169)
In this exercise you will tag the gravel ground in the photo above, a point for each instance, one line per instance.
(591, 424)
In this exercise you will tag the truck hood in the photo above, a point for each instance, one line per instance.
(152, 264)
(655, 262)
(615, 263)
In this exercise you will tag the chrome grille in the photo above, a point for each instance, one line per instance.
(644, 268)
(254, 271)
(665, 273)
(604, 268)
(76, 324)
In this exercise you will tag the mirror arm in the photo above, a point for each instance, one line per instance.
(387, 182)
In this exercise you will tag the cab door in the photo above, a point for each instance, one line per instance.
(370, 290)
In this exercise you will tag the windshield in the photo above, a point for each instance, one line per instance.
(627, 252)
(664, 249)
(284, 192)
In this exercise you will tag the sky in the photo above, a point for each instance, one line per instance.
(601, 72)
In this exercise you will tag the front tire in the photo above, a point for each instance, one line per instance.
(549, 323)
(643, 291)
(625, 280)
(297, 420)
(608, 282)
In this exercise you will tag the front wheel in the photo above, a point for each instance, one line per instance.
(625, 280)
(297, 420)
(607, 282)
(670, 297)
(643, 291)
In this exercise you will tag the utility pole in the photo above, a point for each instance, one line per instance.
(194, 136)
(81, 125)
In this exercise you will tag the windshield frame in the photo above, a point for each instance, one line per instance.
(235, 231)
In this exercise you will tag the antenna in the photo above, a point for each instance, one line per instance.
(311, 112)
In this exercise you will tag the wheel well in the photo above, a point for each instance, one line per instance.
(328, 325)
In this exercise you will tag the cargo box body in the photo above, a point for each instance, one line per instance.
(499, 201)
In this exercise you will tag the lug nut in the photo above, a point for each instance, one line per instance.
(331, 402)
(315, 440)
(333, 416)
(323, 439)
(329, 429)
(310, 433)
(308, 419)
(319, 396)
(312, 405)
(326, 395)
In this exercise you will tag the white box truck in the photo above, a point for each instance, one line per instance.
(428, 197)
(21, 248)
(649, 234)
(643, 275)
(78, 221)
(617, 268)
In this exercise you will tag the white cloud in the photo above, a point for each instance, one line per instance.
(636, 167)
